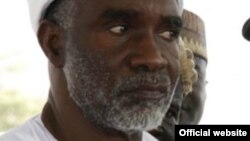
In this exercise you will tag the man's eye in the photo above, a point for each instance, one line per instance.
(169, 35)
(118, 29)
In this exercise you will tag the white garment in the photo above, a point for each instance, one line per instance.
(34, 130)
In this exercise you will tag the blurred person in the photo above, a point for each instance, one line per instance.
(246, 30)
(188, 108)
(113, 66)
(193, 34)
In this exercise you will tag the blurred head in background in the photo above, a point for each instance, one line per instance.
(246, 30)
(188, 108)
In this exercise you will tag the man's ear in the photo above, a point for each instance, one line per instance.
(51, 40)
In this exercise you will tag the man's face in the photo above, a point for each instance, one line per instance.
(122, 61)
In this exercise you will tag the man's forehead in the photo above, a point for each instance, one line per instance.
(129, 9)
(37, 9)
(131, 15)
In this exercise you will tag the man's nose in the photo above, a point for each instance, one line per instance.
(148, 55)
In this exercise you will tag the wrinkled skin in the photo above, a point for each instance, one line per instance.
(108, 45)
(185, 110)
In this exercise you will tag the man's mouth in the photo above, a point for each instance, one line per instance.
(147, 92)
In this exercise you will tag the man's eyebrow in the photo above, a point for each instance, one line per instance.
(113, 14)
(173, 21)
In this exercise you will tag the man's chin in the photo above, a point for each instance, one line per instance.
(142, 120)
(139, 127)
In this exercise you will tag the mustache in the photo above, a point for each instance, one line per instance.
(144, 79)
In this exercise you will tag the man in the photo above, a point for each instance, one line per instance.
(113, 68)
(188, 109)
(194, 39)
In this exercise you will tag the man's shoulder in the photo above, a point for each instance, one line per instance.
(32, 130)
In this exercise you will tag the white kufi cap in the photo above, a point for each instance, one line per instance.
(37, 9)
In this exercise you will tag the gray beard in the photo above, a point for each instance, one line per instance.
(88, 81)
